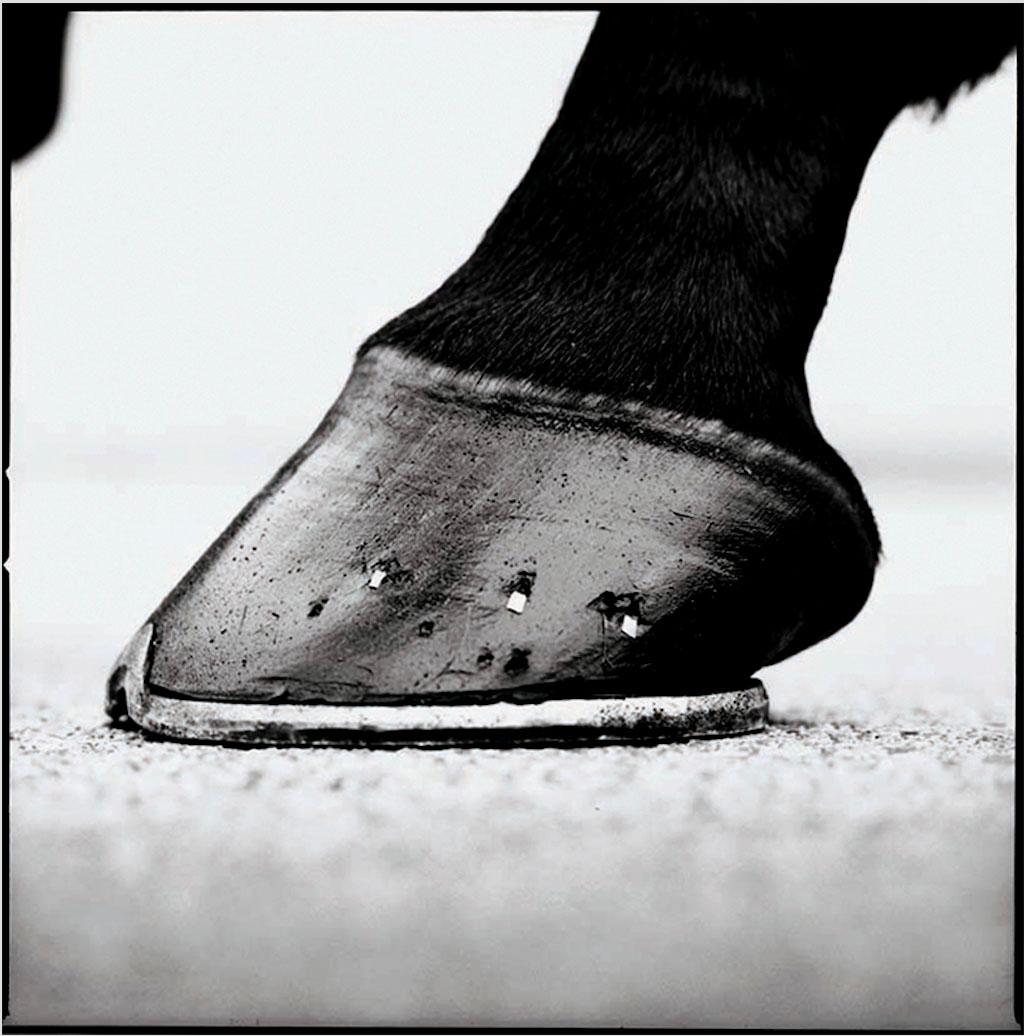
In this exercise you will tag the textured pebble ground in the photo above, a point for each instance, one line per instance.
(820, 873)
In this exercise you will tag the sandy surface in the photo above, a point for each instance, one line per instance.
(849, 867)
(820, 874)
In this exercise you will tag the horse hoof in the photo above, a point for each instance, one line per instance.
(450, 559)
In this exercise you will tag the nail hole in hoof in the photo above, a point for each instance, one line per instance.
(485, 658)
(612, 605)
(604, 604)
(425, 628)
(389, 570)
(518, 662)
(519, 590)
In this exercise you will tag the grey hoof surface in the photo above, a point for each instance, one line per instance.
(448, 559)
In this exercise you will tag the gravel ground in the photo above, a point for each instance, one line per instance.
(819, 874)
(851, 866)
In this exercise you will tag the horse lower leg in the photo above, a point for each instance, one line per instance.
(586, 466)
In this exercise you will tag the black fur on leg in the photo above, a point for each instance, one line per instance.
(674, 240)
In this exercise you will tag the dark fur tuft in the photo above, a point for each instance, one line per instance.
(675, 238)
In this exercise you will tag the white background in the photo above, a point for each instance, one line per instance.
(231, 202)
